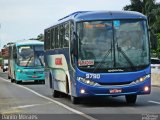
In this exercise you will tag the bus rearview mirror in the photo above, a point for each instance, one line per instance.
(75, 46)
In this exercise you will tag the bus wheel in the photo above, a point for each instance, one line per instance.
(131, 99)
(75, 100)
(67, 85)
(12, 80)
(56, 94)
(18, 82)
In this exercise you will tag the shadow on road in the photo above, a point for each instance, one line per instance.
(31, 83)
(106, 102)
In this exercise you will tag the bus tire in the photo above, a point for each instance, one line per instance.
(50, 81)
(75, 100)
(12, 80)
(18, 82)
(131, 99)
(67, 85)
(56, 94)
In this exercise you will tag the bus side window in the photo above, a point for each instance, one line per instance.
(53, 39)
(66, 37)
(56, 38)
(47, 39)
(72, 43)
(61, 36)
(71, 36)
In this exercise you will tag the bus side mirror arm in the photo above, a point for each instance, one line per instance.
(74, 53)
(75, 44)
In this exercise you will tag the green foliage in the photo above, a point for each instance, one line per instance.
(40, 37)
(158, 46)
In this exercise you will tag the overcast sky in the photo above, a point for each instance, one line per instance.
(24, 19)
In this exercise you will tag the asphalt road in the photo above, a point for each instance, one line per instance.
(31, 98)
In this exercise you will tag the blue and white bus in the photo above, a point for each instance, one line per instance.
(99, 53)
(26, 61)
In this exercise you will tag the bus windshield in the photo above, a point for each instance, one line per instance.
(30, 55)
(120, 45)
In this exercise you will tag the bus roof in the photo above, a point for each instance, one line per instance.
(29, 42)
(110, 15)
(101, 15)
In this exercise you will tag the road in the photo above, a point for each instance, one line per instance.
(31, 98)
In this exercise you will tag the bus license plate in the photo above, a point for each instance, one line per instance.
(112, 91)
(34, 76)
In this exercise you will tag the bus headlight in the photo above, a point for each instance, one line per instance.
(141, 79)
(18, 70)
(86, 81)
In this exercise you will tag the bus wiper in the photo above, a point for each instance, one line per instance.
(41, 63)
(126, 57)
(105, 56)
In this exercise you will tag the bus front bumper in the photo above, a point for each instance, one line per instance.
(84, 90)
(26, 76)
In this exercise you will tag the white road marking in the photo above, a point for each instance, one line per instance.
(33, 105)
(26, 106)
(54, 101)
(154, 102)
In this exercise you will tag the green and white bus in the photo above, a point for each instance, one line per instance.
(26, 61)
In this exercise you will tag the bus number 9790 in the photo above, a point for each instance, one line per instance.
(94, 76)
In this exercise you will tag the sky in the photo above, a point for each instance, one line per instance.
(25, 19)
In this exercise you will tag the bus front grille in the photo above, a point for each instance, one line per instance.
(116, 83)
(31, 73)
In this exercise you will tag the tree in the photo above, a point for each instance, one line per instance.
(40, 37)
(158, 46)
(136, 5)
(149, 8)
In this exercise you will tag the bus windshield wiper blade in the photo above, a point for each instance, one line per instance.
(126, 57)
(105, 56)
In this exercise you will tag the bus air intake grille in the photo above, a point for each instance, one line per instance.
(117, 83)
